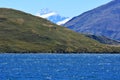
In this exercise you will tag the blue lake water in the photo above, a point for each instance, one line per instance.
(59, 67)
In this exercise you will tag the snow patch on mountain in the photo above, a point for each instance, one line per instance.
(47, 15)
(52, 16)
(63, 22)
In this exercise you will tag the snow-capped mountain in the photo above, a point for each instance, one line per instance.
(52, 16)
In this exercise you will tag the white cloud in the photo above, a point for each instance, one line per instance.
(46, 15)
(63, 22)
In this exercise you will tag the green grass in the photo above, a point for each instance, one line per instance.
(22, 32)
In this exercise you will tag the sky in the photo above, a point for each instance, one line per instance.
(67, 8)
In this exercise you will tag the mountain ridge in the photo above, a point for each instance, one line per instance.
(103, 20)
(104, 40)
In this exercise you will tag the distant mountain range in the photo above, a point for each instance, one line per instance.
(22, 32)
(52, 16)
(103, 20)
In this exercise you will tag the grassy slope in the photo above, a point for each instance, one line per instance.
(22, 32)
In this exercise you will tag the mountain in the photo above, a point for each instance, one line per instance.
(23, 32)
(52, 16)
(104, 40)
(103, 20)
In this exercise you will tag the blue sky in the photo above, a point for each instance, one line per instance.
(68, 8)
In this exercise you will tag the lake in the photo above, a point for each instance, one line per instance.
(59, 67)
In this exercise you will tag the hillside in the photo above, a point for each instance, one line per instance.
(22, 32)
(104, 20)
